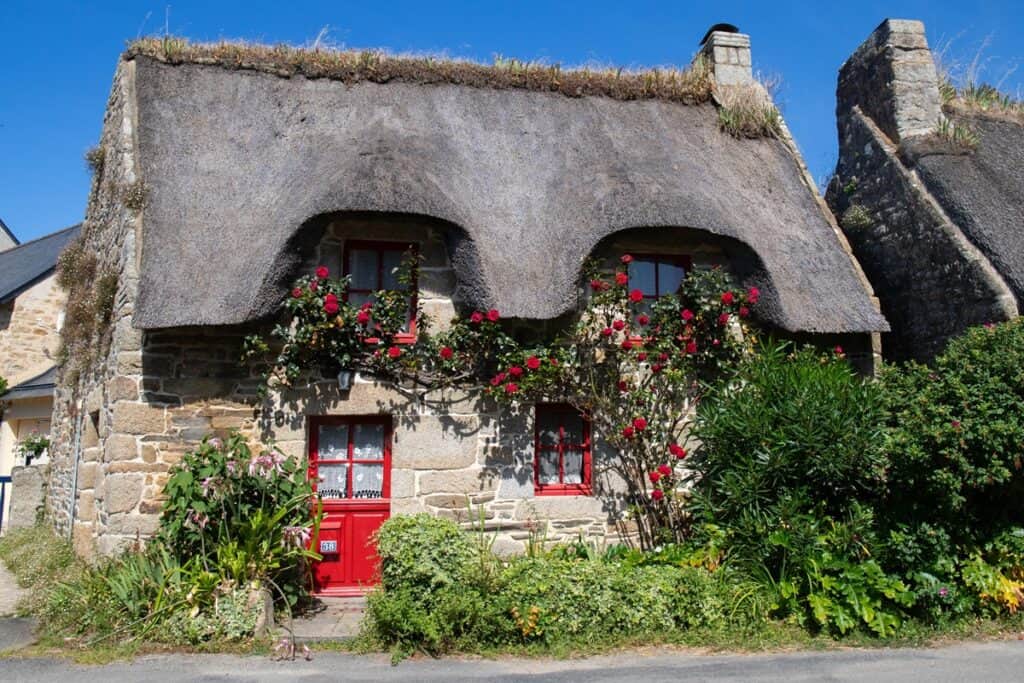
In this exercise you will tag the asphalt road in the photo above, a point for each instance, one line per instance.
(990, 661)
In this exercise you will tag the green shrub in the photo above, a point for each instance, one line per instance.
(423, 553)
(38, 558)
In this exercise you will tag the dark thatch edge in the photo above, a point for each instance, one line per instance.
(692, 85)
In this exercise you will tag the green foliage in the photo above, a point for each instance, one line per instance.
(856, 218)
(33, 446)
(37, 558)
(423, 553)
(3, 387)
(957, 134)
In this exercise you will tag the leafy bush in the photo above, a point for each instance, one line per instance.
(422, 552)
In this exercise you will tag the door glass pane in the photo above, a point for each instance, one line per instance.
(362, 266)
(331, 480)
(367, 480)
(573, 467)
(368, 442)
(547, 427)
(548, 470)
(641, 276)
(573, 424)
(391, 260)
(332, 442)
(669, 277)
(357, 299)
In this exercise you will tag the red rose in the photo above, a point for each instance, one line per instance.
(498, 379)
(665, 470)
(691, 347)
(515, 371)
(511, 388)
(363, 317)
(654, 477)
(553, 361)
(626, 345)
(744, 311)
(331, 304)
(753, 294)
(607, 332)
(656, 368)
(322, 272)
(533, 362)
(657, 494)
(476, 318)
(297, 292)
(955, 424)
(663, 356)
(313, 286)
(715, 342)
(596, 285)
(493, 315)
(641, 356)
(838, 350)
(677, 450)
(727, 298)
(394, 352)
(723, 319)
(687, 314)
(621, 278)
(627, 432)
(623, 386)
(619, 325)
(640, 424)
(627, 259)
(366, 306)
(642, 319)
(636, 296)
(446, 353)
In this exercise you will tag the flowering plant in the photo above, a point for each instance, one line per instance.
(33, 446)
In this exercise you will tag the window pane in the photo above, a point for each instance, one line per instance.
(362, 266)
(356, 299)
(368, 442)
(573, 423)
(641, 276)
(670, 275)
(548, 461)
(367, 481)
(332, 442)
(331, 480)
(548, 423)
(392, 260)
(573, 467)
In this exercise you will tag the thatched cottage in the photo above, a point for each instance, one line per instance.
(31, 312)
(228, 170)
(930, 191)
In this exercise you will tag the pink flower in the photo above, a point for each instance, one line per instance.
(511, 388)
(493, 315)
(691, 347)
(596, 285)
(640, 424)
(445, 353)
(753, 294)
(955, 424)
(838, 350)
(533, 362)
(621, 278)
(322, 272)
(363, 317)
(665, 470)
(515, 371)
(619, 325)
(642, 319)
(636, 296)
(394, 352)
(627, 432)
(687, 314)
(627, 259)
(657, 494)
(607, 332)
(330, 304)
(313, 286)
(476, 318)
(297, 292)
(744, 311)
(654, 477)
(723, 319)
(727, 298)
(498, 379)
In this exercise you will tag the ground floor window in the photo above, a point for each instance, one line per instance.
(561, 451)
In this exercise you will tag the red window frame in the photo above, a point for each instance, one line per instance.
(584, 488)
(682, 260)
(409, 336)
(315, 461)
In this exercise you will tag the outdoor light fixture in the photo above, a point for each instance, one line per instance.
(344, 379)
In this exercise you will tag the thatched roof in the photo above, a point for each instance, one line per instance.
(982, 189)
(236, 162)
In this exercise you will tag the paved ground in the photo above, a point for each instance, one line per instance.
(335, 619)
(992, 661)
(14, 633)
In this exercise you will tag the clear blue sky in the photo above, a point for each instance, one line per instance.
(59, 57)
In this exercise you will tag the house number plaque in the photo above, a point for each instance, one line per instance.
(328, 547)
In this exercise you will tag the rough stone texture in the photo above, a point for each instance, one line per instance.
(936, 230)
(728, 55)
(27, 491)
(522, 196)
(28, 331)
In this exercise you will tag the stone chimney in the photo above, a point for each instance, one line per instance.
(892, 78)
(727, 53)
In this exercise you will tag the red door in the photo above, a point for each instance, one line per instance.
(350, 467)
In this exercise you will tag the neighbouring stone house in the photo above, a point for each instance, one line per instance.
(228, 171)
(929, 189)
(31, 311)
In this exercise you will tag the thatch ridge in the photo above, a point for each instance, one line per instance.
(691, 85)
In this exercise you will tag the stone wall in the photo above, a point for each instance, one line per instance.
(29, 331)
(28, 494)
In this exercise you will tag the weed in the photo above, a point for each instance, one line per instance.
(94, 159)
(856, 218)
(134, 195)
(747, 112)
(958, 135)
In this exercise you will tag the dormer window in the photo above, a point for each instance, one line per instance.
(374, 266)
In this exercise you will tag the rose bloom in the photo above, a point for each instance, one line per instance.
(654, 477)
(498, 379)
(619, 325)
(533, 362)
(715, 342)
(691, 347)
(313, 286)
(596, 285)
(515, 371)
(511, 388)
(665, 470)
(723, 319)
(677, 450)
(607, 332)
(640, 424)
(636, 296)
(753, 294)
(322, 272)
(331, 307)
(476, 318)
(641, 356)
(656, 368)
(446, 353)
(363, 317)
(627, 259)
(493, 315)
(663, 356)
(394, 352)
(642, 319)
(626, 345)
(297, 292)
(627, 432)
(687, 314)
(838, 350)
(553, 361)
(623, 385)
(621, 278)
(744, 311)
(657, 494)
(727, 298)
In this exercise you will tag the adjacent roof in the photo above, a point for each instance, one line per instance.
(39, 386)
(26, 264)
(6, 236)
(982, 191)
(535, 179)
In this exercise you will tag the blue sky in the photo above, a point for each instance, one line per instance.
(59, 57)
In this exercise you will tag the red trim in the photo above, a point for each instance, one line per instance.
(314, 459)
(380, 247)
(561, 489)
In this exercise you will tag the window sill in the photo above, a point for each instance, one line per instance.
(581, 490)
(403, 339)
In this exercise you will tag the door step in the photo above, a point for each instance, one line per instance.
(330, 619)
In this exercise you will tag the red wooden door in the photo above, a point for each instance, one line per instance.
(350, 467)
